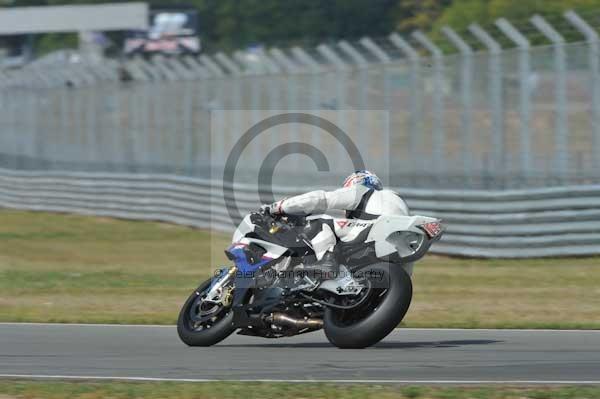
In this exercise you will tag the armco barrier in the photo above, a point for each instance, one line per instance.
(509, 224)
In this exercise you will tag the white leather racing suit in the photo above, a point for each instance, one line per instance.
(358, 201)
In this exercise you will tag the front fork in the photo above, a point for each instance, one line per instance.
(221, 291)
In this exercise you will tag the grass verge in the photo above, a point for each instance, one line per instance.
(71, 268)
(234, 390)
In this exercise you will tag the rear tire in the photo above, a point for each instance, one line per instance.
(220, 329)
(370, 322)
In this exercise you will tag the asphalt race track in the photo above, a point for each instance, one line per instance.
(407, 355)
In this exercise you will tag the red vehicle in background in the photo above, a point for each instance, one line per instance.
(172, 31)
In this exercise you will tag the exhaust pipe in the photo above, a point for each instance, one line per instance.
(283, 319)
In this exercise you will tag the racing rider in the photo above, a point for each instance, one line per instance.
(362, 197)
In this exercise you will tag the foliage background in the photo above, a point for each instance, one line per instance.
(232, 24)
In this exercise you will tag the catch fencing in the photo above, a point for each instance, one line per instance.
(508, 224)
(479, 113)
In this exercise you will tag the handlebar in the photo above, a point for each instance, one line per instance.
(281, 220)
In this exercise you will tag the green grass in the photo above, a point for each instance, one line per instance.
(71, 268)
(246, 390)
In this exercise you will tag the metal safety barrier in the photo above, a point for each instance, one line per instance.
(496, 224)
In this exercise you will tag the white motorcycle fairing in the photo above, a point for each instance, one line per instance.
(401, 234)
(389, 233)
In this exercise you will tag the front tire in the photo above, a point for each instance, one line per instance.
(377, 316)
(203, 333)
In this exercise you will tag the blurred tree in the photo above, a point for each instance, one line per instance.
(419, 14)
(462, 12)
(52, 41)
(230, 24)
(271, 22)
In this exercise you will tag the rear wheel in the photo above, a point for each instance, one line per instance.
(384, 306)
(203, 323)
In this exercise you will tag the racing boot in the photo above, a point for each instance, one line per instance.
(326, 268)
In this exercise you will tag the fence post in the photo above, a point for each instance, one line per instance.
(228, 63)
(12, 120)
(200, 94)
(594, 64)
(351, 52)
(561, 155)
(254, 71)
(152, 113)
(5, 140)
(415, 137)
(235, 92)
(235, 83)
(524, 92)
(275, 72)
(315, 71)
(184, 164)
(466, 76)
(212, 66)
(158, 115)
(495, 96)
(292, 71)
(140, 103)
(161, 64)
(439, 139)
(183, 73)
(340, 70)
(126, 71)
(33, 147)
(215, 103)
(377, 51)
(268, 63)
(169, 108)
(135, 71)
(110, 70)
(233, 126)
(4, 80)
(148, 68)
(385, 60)
(363, 89)
(315, 85)
(198, 70)
(83, 126)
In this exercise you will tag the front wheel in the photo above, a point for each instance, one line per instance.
(385, 305)
(203, 323)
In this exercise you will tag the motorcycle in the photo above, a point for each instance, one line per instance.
(267, 294)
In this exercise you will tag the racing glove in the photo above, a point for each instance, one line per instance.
(272, 209)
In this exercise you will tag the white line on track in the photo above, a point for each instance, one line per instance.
(396, 329)
(353, 381)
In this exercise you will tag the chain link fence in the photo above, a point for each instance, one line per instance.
(481, 118)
